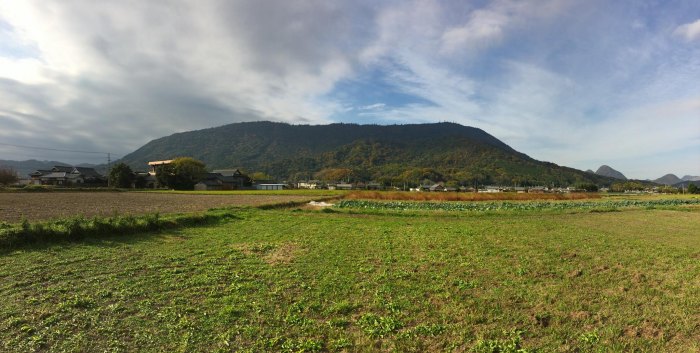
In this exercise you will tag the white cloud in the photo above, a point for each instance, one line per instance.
(689, 31)
(376, 106)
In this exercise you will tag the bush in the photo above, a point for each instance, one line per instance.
(8, 176)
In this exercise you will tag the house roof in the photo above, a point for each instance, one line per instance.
(167, 161)
(62, 168)
(87, 172)
(229, 172)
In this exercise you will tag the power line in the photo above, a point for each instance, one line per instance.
(53, 149)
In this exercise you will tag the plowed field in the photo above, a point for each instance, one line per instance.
(41, 206)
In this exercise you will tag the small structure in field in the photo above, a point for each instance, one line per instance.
(309, 184)
(343, 186)
(270, 186)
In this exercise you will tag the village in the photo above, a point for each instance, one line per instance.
(234, 179)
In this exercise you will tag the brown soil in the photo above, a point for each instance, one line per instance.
(15, 207)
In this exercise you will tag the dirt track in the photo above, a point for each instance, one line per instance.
(41, 206)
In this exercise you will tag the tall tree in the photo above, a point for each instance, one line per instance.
(181, 174)
(121, 176)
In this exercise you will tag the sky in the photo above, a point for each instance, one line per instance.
(580, 83)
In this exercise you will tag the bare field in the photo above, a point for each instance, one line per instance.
(15, 207)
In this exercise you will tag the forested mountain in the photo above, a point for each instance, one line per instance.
(607, 171)
(390, 154)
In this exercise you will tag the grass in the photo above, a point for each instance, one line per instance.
(310, 281)
(78, 228)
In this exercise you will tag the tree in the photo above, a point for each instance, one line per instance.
(257, 176)
(121, 176)
(693, 189)
(8, 176)
(181, 174)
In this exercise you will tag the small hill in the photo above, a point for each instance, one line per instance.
(388, 153)
(668, 179)
(607, 171)
(590, 171)
(690, 178)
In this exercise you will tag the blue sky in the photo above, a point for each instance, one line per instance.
(577, 83)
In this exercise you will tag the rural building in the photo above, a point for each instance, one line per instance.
(68, 176)
(234, 178)
(153, 165)
(270, 186)
(310, 184)
(224, 179)
(343, 186)
(436, 187)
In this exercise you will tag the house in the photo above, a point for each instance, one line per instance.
(234, 179)
(153, 165)
(144, 180)
(373, 186)
(436, 187)
(68, 176)
(224, 179)
(343, 186)
(491, 189)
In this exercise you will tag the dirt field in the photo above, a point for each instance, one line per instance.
(41, 206)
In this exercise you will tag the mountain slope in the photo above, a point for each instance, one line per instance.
(668, 179)
(690, 178)
(607, 171)
(408, 153)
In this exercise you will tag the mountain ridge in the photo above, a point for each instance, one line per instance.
(440, 151)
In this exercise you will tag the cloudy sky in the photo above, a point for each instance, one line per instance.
(579, 83)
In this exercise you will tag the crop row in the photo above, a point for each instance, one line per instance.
(507, 206)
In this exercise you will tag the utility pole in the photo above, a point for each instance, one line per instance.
(109, 167)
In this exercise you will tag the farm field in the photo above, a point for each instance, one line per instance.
(37, 206)
(626, 278)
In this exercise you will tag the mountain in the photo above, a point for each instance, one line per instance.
(606, 171)
(690, 178)
(397, 153)
(23, 168)
(590, 171)
(668, 179)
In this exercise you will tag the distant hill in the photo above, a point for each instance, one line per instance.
(690, 178)
(607, 171)
(393, 153)
(668, 179)
(684, 184)
(23, 168)
(590, 171)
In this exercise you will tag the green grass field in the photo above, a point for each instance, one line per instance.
(354, 280)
